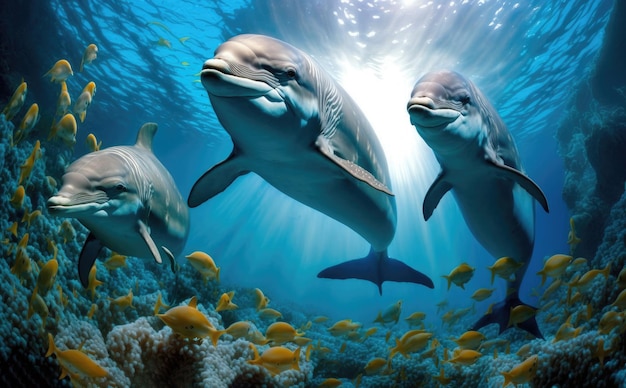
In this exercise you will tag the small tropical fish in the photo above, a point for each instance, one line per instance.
(47, 276)
(64, 101)
(183, 39)
(522, 373)
(66, 231)
(61, 71)
(74, 363)
(554, 266)
(16, 102)
(566, 331)
(13, 229)
(344, 327)
(225, 302)
(261, 300)
(17, 200)
(330, 382)
(584, 281)
(375, 365)
(241, 329)
(269, 313)
(65, 129)
(609, 321)
(93, 282)
(276, 359)
(81, 105)
(22, 265)
(123, 302)
(204, 264)
(572, 239)
(482, 294)
(465, 357)
(92, 143)
(280, 332)
(31, 118)
(460, 275)
(320, 319)
(92, 310)
(470, 340)
(390, 314)
(620, 300)
(164, 42)
(115, 261)
(415, 319)
(38, 305)
(521, 313)
(188, 322)
(91, 53)
(30, 217)
(411, 342)
(504, 267)
(29, 163)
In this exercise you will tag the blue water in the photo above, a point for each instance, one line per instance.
(527, 58)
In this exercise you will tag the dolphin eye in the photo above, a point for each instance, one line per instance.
(465, 100)
(291, 73)
(120, 188)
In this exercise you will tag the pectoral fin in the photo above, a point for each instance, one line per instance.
(216, 180)
(434, 194)
(88, 255)
(353, 169)
(173, 263)
(524, 181)
(145, 234)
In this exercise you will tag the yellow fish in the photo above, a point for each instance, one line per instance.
(261, 300)
(225, 302)
(572, 239)
(320, 319)
(91, 88)
(204, 264)
(74, 363)
(183, 39)
(38, 305)
(268, 313)
(22, 265)
(415, 319)
(442, 379)
(460, 275)
(556, 283)
(411, 342)
(190, 323)
(521, 313)
(241, 329)
(158, 304)
(164, 42)
(522, 373)
(115, 261)
(465, 357)
(31, 118)
(29, 218)
(470, 340)
(29, 163)
(91, 53)
(482, 294)
(554, 266)
(276, 359)
(330, 382)
(61, 71)
(375, 365)
(81, 105)
(280, 332)
(343, 327)
(13, 229)
(66, 231)
(92, 310)
(64, 101)
(620, 300)
(93, 282)
(17, 200)
(391, 314)
(504, 267)
(65, 129)
(621, 278)
(584, 281)
(47, 276)
(16, 102)
(123, 301)
(566, 331)
(92, 143)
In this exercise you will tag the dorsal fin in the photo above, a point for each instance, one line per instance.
(145, 136)
(193, 302)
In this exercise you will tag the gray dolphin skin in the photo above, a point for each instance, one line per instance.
(128, 201)
(295, 127)
(480, 164)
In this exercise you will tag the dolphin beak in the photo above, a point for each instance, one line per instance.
(425, 113)
(226, 78)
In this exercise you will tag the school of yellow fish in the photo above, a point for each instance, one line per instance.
(268, 349)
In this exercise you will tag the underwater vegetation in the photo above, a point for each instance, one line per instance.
(138, 323)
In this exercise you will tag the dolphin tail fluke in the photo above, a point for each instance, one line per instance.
(376, 267)
(501, 313)
(88, 255)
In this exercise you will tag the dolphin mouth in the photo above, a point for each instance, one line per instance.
(428, 113)
(229, 79)
(77, 203)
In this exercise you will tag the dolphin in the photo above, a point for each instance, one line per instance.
(295, 127)
(128, 201)
(480, 164)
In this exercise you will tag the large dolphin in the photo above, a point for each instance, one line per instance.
(480, 164)
(294, 126)
(128, 201)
